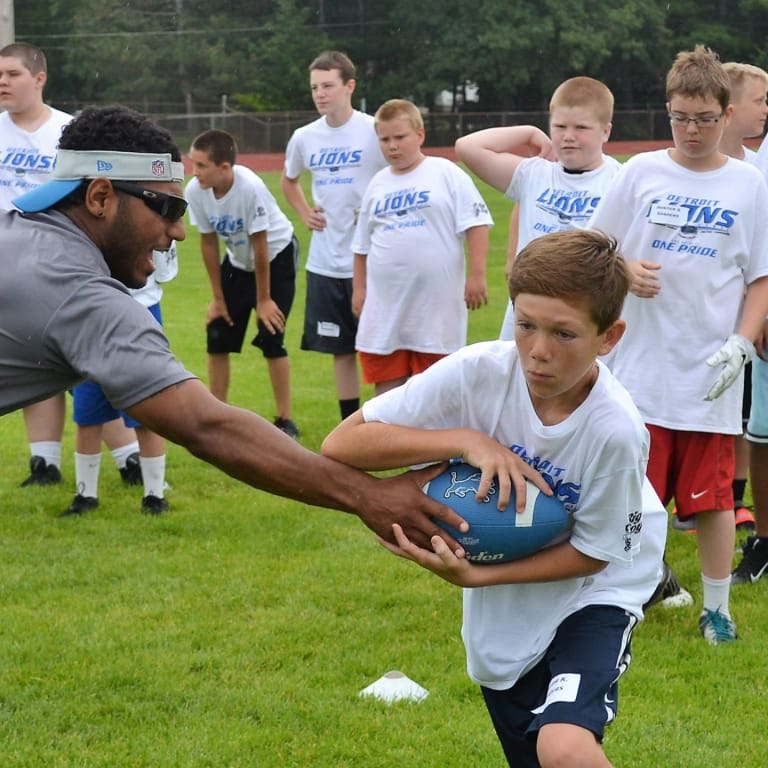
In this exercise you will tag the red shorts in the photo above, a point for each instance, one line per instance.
(696, 468)
(400, 364)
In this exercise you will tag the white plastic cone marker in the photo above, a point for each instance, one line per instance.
(395, 686)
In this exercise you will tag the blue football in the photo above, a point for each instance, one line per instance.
(495, 536)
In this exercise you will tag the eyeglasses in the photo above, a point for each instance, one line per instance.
(706, 121)
(170, 207)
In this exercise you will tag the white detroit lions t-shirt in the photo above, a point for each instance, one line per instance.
(342, 161)
(551, 200)
(709, 233)
(412, 229)
(26, 158)
(595, 461)
(247, 207)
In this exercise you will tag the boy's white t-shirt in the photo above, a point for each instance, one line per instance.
(26, 158)
(411, 227)
(595, 460)
(551, 200)
(709, 233)
(761, 157)
(248, 207)
(342, 161)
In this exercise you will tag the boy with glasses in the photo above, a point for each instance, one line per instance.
(691, 221)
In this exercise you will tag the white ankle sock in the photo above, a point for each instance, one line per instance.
(87, 473)
(716, 594)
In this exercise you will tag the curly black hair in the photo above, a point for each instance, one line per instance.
(115, 128)
(119, 129)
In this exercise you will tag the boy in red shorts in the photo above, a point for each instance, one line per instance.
(411, 290)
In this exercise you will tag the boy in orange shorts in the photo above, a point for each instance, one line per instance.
(411, 290)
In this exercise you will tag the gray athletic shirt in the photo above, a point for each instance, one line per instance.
(63, 319)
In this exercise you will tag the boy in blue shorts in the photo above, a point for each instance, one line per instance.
(230, 202)
(141, 461)
(547, 636)
(693, 227)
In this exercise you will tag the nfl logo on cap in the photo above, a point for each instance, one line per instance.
(158, 167)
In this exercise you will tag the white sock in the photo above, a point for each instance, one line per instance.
(716, 594)
(87, 473)
(153, 474)
(50, 450)
(122, 453)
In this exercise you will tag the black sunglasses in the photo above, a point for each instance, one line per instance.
(170, 207)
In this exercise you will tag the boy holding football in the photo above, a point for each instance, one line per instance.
(550, 196)
(547, 636)
(692, 223)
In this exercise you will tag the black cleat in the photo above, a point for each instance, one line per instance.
(287, 426)
(152, 505)
(668, 591)
(42, 473)
(79, 505)
(754, 562)
(131, 472)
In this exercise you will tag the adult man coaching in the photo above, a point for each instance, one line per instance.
(65, 316)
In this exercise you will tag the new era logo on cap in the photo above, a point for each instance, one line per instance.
(103, 165)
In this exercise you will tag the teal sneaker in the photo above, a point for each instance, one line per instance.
(716, 627)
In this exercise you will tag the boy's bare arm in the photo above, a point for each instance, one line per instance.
(512, 240)
(375, 445)
(313, 218)
(476, 286)
(495, 153)
(562, 561)
(359, 282)
(209, 247)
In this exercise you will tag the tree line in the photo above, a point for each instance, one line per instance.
(171, 56)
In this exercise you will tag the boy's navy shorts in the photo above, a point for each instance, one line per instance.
(239, 288)
(576, 682)
(330, 326)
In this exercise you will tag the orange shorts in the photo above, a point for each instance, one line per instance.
(696, 468)
(400, 364)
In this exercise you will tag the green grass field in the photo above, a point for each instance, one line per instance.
(238, 629)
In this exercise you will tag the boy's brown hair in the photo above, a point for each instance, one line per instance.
(220, 146)
(739, 74)
(329, 60)
(30, 55)
(699, 73)
(584, 92)
(395, 108)
(576, 265)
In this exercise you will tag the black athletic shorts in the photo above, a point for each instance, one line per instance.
(239, 288)
(329, 324)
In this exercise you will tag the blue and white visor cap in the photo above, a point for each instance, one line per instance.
(74, 165)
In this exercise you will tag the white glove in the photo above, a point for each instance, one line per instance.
(733, 356)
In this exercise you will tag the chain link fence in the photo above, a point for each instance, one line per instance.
(269, 132)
